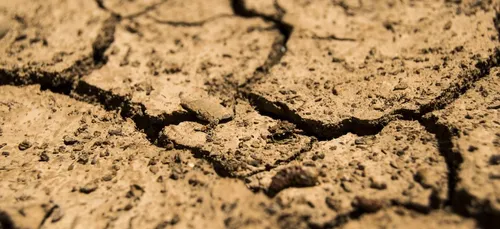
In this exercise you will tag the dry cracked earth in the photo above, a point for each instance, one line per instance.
(249, 114)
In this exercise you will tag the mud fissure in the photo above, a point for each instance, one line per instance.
(104, 40)
(453, 159)
(6, 221)
(443, 133)
(100, 4)
(152, 126)
(192, 23)
(279, 45)
(324, 131)
(128, 109)
(47, 215)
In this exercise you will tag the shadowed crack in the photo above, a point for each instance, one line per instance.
(190, 24)
(316, 128)
(200, 153)
(457, 199)
(151, 125)
(332, 37)
(453, 159)
(66, 83)
(293, 157)
(465, 83)
(279, 45)
(220, 165)
(149, 8)
(326, 131)
(55, 82)
(6, 221)
(47, 215)
(443, 134)
(104, 39)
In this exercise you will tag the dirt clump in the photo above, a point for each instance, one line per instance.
(294, 176)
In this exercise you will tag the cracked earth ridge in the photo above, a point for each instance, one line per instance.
(383, 109)
(113, 101)
(35, 55)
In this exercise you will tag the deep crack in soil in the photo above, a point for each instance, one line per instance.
(67, 82)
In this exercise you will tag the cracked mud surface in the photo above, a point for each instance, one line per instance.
(249, 114)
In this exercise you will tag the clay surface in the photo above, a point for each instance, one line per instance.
(242, 146)
(475, 117)
(50, 40)
(249, 114)
(367, 63)
(155, 63)
(400, 165)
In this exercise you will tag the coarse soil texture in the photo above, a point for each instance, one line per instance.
(249, 114)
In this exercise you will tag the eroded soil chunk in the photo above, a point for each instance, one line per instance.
(359, 65)
(208, 110)
(475, 118)
(364, 174)
(154, 64)
(116, 182)
(242, 146)
(51, 40)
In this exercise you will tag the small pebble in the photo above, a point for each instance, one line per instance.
(24, 145)
(83, 158)
(154, 169)
(472, 148)
(293, 176)
(368, 205)
(68, 140)
(44, 157)
(378, 183)
(135, 192)
(495, 159)
(57, 214)
(333, 203)
(426, 178)
(107, 177)
(115, 132)
(400, 86)
(89, 187)
(207, 109)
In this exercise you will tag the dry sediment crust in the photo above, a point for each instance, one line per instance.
(70, 164)
(343, 70)
(475, 118)
(401, 165)
(154, 64)
(249, 114)
(242, 146)
(51, 41)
